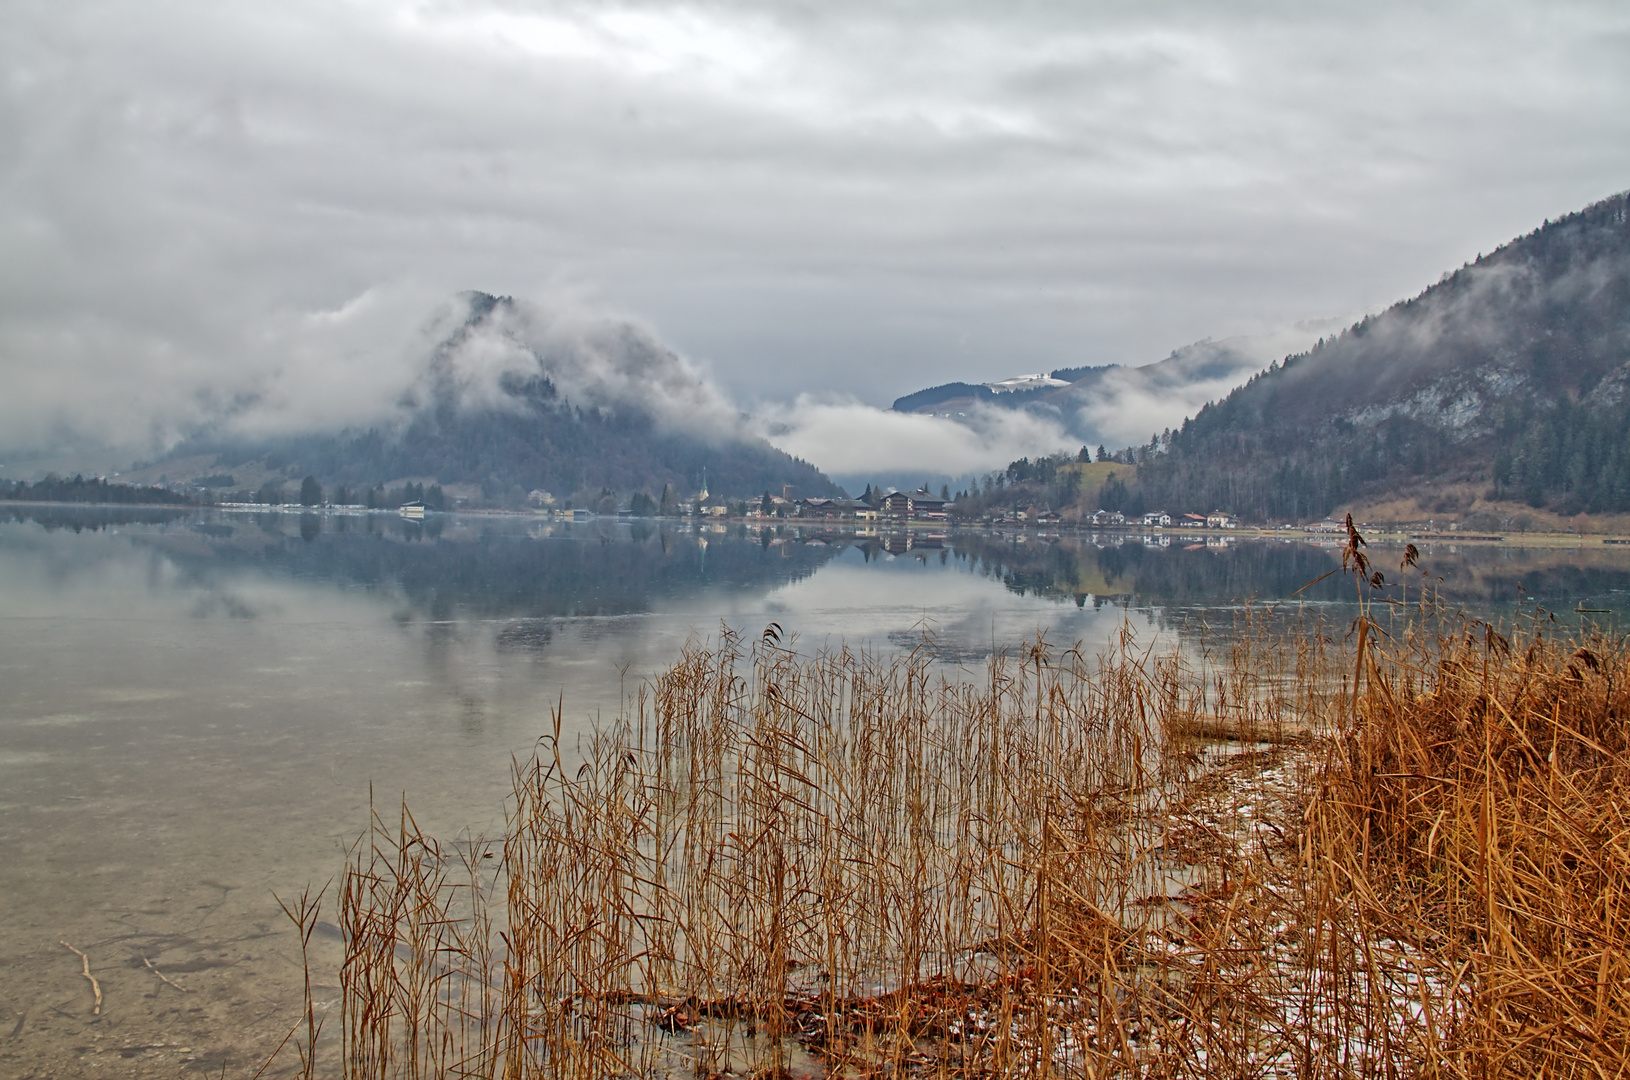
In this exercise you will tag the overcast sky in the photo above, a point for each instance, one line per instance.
(827, 198)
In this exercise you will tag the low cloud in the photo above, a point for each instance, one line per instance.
(1127, 405)
(846, 438)
(1127, 410)
(595, 359)
(374, 360)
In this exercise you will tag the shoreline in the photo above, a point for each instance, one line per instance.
(1386, 533)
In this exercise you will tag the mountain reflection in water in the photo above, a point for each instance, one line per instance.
(521, 568)
(1178, 572)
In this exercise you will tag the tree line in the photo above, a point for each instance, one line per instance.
(79, 489)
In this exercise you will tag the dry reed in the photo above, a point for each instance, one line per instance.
(775, 864)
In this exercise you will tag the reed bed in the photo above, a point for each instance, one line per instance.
(775, 864)
(1474, 823)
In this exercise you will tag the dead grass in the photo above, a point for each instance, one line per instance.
(776, 865)
(1467, 506)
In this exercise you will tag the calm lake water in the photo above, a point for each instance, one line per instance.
(196, 709)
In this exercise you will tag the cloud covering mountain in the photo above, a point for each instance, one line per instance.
(511, 397)
(240, 209)
(1110, 405)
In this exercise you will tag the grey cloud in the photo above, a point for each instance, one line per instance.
(859, 199)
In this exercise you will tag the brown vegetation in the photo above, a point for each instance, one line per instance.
(780, 865)
(1468, 506)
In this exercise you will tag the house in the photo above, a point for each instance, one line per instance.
(1157, 518)
(837, 509)
(715, 510)
(819, 508)
(1103, 518)
(926, 506)
(1220, 519)
(897, 504)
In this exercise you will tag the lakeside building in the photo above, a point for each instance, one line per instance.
(919, 505)
(926, 506)
(828, 509)
(897, 505)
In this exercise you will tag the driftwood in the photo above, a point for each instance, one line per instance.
(165, 979)
(1239, 728)
(85, 969)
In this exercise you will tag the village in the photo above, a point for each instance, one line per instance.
(912, 508)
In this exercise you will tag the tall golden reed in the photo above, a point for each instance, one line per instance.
(775, 864)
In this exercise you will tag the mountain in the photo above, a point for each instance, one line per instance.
(1110, 403)
(1504, 382)
(511, 400)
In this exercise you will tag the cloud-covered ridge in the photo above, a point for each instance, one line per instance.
(490, 345)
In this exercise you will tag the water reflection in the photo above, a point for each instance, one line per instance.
(1177, 573)
(196, 709)
(528, 568)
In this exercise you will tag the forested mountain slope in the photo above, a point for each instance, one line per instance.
(1509, 374)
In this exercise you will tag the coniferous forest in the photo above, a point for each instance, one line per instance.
(1511, 373)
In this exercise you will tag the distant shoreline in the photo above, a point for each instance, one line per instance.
(1380, 533)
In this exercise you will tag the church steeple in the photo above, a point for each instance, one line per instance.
(702, 496)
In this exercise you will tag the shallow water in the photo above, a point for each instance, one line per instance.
(195, 710)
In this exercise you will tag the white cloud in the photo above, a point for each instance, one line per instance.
(1126, 411)
(1130, 404)
(846, 437)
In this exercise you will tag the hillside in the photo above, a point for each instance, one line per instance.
(1503, 383)
(510, 403)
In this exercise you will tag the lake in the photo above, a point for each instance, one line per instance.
(197, 708)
